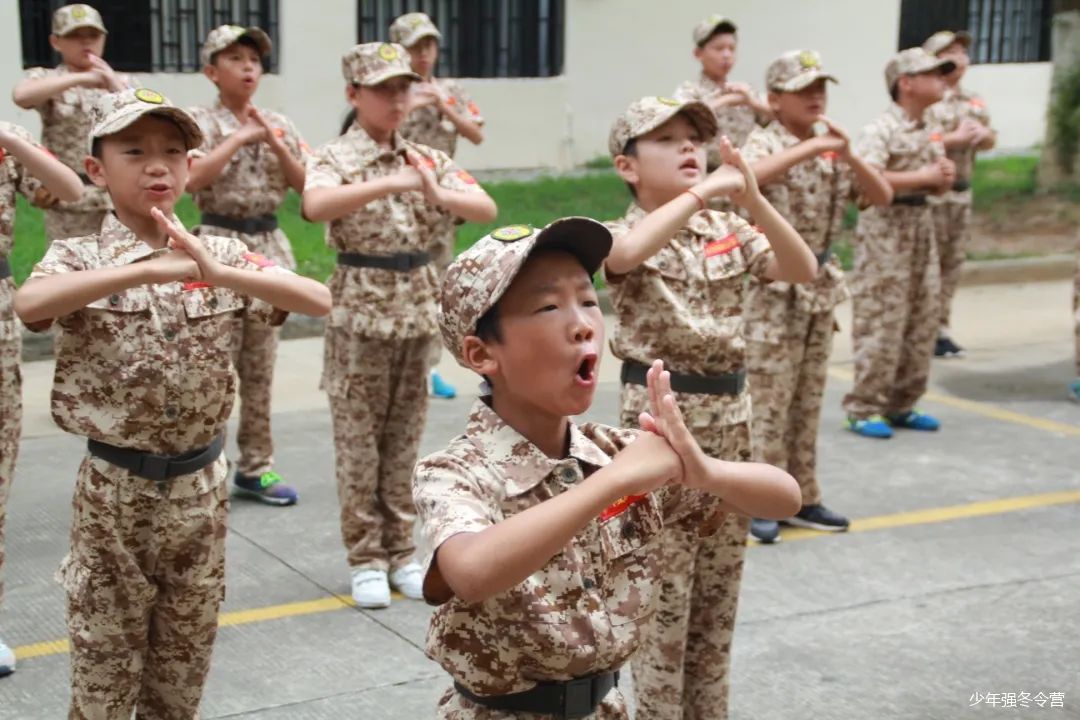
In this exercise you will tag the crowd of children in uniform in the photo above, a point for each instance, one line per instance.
(556, 553)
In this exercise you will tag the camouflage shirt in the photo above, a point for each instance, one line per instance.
(959, 105)
(374, 302)
(896, 143)
(65, 127)
(427, 126)
(150, 367)
(13, 179)
(583, 612)
(735, 122)
(812, 195)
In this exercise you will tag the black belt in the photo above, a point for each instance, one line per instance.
(5, 268)
(961, 185)
(567, 699)
(402, 262)
(732, 383)
(157, 467)
(910, 200)
(250, 225)
(85, 179)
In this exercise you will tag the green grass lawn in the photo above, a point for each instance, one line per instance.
(602, 196)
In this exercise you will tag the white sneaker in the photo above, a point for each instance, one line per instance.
(7, 660)
(409, 581)
(370, 589)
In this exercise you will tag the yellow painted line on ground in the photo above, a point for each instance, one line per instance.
(985, 409)
(880, 522)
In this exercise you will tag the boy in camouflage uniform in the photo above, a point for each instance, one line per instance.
(384, 199)
(144, 371)
(677, 274)
(439, 111)
(27, 168)
(64, 96)
(249, 159)
(543, 538)
(738, 109)
(896, 283)
(809, 178)
(965, 123)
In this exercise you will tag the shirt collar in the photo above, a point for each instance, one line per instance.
(118, 245)
(369, 150)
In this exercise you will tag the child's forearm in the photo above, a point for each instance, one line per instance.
(34, 92)
(469, 206)
(650, 235)
(60, 180)
(871, 181)
(46, 298)
(324, 204)
(792, 260)
(754, 489)
(466, 127)
(908, 180)
(285, 291)
(292, 168)
(205, 170)
(476, 566)
(771, 167)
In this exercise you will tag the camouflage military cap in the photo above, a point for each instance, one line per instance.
(73, 17)
(476, 280)
(411, 28)
(649, 113)
(225, 35)
(374, 63)
(795, 70)
(714, 23)
(115, 111)
(943, 39)
(913, 61)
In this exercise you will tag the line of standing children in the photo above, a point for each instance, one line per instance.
(384, 198)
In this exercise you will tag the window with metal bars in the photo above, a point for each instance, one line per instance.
(481, 38)
(151, 35)
(1002, 31)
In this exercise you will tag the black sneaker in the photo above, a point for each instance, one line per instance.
(766, 532)
(946, 348)
(819, 517)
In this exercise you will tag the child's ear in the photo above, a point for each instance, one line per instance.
(54, 41)
(478, 356)
(95, 170)
(351, 93)
(627, 169)
(774, 102)
(210, 72)
(697, 53)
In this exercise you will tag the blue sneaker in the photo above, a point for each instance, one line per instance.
(266, 488)
(440, 388)
(1074, 390)
(915, 420)
(874, 426)
(766, 532)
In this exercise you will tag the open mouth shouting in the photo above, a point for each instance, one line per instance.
(586, 370)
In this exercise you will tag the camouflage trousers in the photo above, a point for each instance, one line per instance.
(145, 577)
(60, 224)
(1076, 310)
(896, 290)
(255, 348)
(378, 414)
(682, 669)
(443, 257)
(787, 379)
(951, 229)
(10, 420)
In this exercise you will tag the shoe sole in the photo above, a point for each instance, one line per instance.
(759, 541)
(371, 606)
(6, 670)
(800, 523)
(252, 495)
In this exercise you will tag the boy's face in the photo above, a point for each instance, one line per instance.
(236, 70)
(423, 55)
(717, 55)
(927, 88)
(802, 108)
(552, 334)
(143, 166)
(959, 55)
(668, 160)
(78, 45)
(382, 106)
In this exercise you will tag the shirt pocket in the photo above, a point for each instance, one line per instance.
(631, 561)
(208, 310)
(667, 264)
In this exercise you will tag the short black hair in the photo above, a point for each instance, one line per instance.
(721, 29)
(894, 91)
(630, 149)
(95, 148)
(246, 41)
(487, 327)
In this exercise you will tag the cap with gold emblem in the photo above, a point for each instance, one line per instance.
(411, 28)
(943, 39)
(115, 111)
(374, 63)
(479, 277)
(649, 113)
(72, 17)
(795, 70)
(225, 35)
(914, 61)
(710, 26)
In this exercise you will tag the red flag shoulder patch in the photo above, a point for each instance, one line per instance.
(722, 246)
(195, 285)
(620, 506)
(465, 177)
(260, 261)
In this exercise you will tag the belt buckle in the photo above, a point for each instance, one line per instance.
(577, 698)
(154, 467)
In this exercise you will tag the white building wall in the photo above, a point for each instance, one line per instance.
(616, 50)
